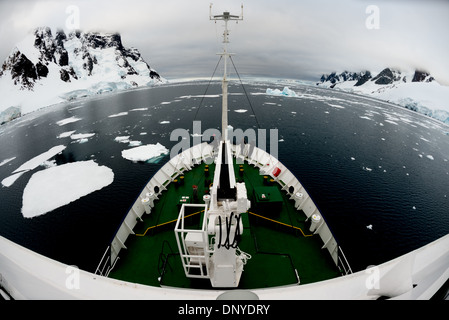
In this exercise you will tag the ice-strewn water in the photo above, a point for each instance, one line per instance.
(378, 173)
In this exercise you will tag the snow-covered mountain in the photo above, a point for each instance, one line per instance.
(416, 90)
(47, 68)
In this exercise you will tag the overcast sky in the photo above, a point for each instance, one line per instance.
(282, 38)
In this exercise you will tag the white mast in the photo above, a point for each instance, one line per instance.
(226, 16)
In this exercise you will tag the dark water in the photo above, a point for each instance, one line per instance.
(363, 161)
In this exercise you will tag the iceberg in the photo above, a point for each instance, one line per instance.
(285, 92)
(57, 186)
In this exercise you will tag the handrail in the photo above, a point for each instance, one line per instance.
(344, 262)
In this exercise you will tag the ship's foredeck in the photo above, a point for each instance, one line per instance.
(276, 236)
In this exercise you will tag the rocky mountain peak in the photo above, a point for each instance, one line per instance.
(73, 57)
(385, 77)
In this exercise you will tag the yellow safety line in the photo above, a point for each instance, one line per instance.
(254, 214)
(305, 235)
(159, 225)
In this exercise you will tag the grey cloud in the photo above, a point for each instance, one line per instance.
(284, 38)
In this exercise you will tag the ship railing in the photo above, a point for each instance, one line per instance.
(105, 266)
(153, 189)
(343, 262)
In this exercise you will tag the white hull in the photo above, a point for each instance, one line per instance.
(416, 275)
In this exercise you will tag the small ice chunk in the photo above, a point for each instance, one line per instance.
(352, 158)
(135, 143)
(6, 161)
(430, 157)
(370, 226)
(67, 120)
(122, 139)
(240, 110)
(79, 136)
(164, 122)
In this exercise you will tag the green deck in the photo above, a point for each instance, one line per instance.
(276, 248)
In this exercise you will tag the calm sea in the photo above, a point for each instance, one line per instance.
(363, 161)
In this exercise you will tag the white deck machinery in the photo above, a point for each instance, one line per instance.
(212, 251)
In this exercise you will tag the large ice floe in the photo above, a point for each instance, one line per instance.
(147, 152)
(57, 186)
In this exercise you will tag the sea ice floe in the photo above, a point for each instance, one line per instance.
(67, 120)
(32, 164)
(66, 134)
(145, 153)
(135, 143)
(57, 186)
(200, 96)
(122, 139)
(6, 161)
(336, 106)
(81, 136)
(120, 114)
(36, 161)
(9, 181)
